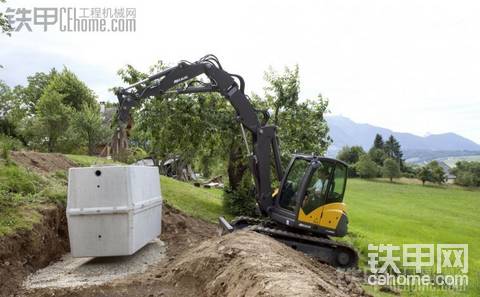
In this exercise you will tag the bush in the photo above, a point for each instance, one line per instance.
(467, 173)
(242, 200)
(8, 144)
(366, 167)
(54, 193)
(432, 172)
(12, 144)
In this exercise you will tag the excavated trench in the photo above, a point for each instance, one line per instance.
(26, 251)
(194, 261)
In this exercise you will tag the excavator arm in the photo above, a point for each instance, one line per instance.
(230, 86)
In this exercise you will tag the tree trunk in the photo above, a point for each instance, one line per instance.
(91, 147)
(236, 165)
(119, 144)
(51, 144)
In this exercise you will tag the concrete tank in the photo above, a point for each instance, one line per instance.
(113, 210)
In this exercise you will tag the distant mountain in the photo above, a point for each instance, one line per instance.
(344, 132)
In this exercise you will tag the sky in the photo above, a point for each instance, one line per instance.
(410, 66)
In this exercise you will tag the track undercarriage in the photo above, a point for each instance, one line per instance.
(319, 247)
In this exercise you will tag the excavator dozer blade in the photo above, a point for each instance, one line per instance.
(224, 226)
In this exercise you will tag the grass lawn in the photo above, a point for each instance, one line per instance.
(202, 203)
(381, 212)
(21, 191)
(84, 160)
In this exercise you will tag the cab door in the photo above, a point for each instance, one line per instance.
(291, 190)
(322, 204)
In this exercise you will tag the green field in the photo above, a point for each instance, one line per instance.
(202, 203)
(380, 213)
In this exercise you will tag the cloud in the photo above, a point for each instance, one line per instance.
(409, 66)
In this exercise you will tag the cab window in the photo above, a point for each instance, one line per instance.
(316, 193)
(291, 186)
(338, 184)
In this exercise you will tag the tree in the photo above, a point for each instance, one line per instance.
(37, 84)
(366, 168)
(377, 155)
(89, 126)
(391, 169)
(190, 127)
(378, 142)
(282, 90)
(12, 111)
(75, 93)
(425, 174)
(467, 173)
(301, 125)
(4, 25)
(393, 149)
(432, 172)
(438, 175)
(351, 155)
(201, 128)
(52, 118)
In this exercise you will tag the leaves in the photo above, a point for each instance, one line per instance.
(432, 172)
(467, 173)
(52, 118)
(366, 167)
(90, 127)
(75, 92)
(391, 168)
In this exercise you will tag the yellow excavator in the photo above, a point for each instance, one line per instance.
(307, 208)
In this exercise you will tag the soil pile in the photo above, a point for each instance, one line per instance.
(251, 264)
(42, 162)
(198, 263)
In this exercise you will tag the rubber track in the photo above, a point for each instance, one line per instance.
(257, 225)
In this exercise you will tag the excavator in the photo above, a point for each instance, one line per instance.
(307, 208)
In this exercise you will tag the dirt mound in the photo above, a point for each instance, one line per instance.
(251, 264)
(181, 231)
(26, 251)
(42, 162)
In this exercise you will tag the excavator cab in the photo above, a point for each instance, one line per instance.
(311, 196)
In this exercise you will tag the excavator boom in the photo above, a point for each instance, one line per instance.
(264, 139)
